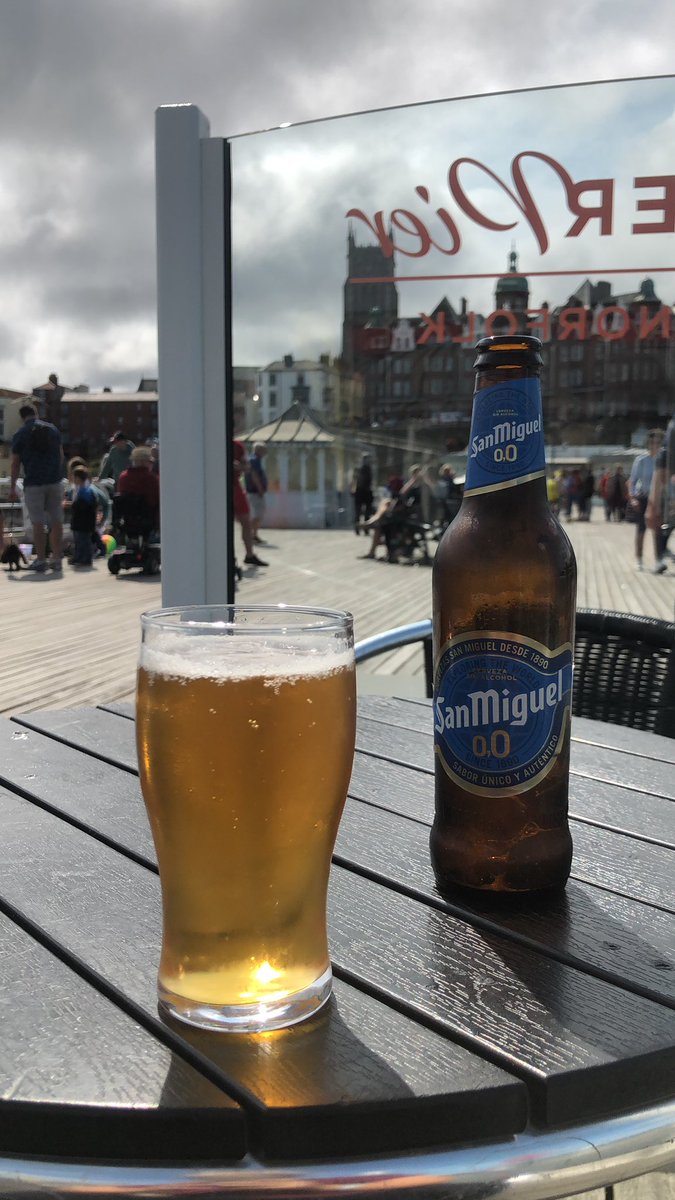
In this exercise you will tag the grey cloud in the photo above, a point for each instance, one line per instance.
(80, 80)
(9, 343)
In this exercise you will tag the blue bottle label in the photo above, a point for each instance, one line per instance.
(506, 446)
(501, 710)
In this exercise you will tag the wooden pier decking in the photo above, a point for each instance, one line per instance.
(73, 640)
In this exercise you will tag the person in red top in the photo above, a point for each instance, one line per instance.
(140, 480)
(242, 509)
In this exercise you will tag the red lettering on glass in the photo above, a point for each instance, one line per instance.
(378, 229)
(470, 336)
(611, 324)
(664, 204)
(463, 200)
(573, 321)
(542, 325)
(416, 228)
(660, 322)
(445, 220)
(605, 323)
(599, 206)
(524, 201)
(432, 327)
(501, 314)
(603, 211)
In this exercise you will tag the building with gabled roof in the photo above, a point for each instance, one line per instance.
(305, 466)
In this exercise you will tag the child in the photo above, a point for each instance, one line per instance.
(82, 518)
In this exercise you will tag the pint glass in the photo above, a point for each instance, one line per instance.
(245, 728)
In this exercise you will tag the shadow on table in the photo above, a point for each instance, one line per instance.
(313, 1090)
(587, 1047)
(589, 928)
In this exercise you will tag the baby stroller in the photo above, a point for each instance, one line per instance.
(133, 529)
(406, 534)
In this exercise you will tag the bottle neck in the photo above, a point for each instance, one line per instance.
(506, 444)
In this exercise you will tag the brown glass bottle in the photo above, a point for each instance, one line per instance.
(504, 598)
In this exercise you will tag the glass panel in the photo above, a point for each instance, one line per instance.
(376, 249)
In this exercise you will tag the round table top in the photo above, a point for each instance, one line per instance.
(528, 1047)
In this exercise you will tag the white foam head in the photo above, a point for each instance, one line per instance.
(223, 657)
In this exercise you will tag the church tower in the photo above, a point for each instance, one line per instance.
(374, 304)
(513, 294)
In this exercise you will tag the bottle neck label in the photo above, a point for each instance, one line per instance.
(501, 711)
(506, 446)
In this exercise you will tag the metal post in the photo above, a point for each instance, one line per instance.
(192, 200)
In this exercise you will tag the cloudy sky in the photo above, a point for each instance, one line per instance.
(81, 79)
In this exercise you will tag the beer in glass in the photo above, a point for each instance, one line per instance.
(245, 730)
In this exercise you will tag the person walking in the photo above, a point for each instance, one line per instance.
(639, 484)
(256, 488)
(617, 494)
(242, 510)
(660, 511)
(37, 450)
(586, 496)
(362, 492)
(603, 484)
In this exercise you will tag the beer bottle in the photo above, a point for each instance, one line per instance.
(504, 602)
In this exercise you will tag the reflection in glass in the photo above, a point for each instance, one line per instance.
(371, 252)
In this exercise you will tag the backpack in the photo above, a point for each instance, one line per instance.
(40, 438)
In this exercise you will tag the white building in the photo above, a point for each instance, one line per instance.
(302, 381)
(305, 470)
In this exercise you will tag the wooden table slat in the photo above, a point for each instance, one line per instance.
(121, 708)
(100, 733)
(67, 1053)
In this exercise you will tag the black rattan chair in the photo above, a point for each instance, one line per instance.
(624, 666)
(624, 670)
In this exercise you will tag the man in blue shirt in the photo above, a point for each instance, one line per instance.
(638, 489)
(660, 515)
(256, 487)
(36, 447)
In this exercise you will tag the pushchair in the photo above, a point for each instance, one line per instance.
(133, 526)
(406, 534)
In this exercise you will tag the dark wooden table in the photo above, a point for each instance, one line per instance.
(467, 1049)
